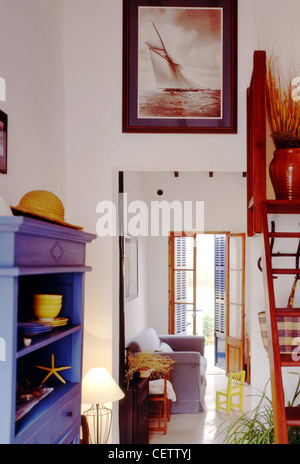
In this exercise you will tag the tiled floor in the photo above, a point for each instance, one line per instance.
(201, 428)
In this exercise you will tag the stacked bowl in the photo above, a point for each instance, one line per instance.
(47, 307)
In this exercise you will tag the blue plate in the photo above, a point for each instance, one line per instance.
(33, 328)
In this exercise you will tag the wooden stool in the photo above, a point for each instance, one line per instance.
(163, 404)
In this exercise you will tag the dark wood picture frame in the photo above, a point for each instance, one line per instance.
(3, 142)
(180, 108)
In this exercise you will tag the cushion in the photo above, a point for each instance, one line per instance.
(156, 387)
(134, 347)
(165, 348)
(147, 340)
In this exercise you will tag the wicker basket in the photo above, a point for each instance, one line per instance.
(288, 329)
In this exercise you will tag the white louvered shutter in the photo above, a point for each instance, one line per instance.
(180, 286)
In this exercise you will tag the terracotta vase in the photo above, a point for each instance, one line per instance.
(284, 172)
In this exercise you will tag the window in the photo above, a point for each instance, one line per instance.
(183, 283)
(191, 279)
(206, 292)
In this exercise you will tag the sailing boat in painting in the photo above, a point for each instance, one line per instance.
(175, 92)
(167, 73)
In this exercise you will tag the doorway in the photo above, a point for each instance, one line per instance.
(206, 293)
(224, 194)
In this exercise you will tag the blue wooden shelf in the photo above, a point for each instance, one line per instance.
(40, 341)
(19, 271)
(39, 415)
(39, 257)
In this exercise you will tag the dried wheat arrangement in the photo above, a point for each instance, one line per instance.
(158, 364)
(283, 111)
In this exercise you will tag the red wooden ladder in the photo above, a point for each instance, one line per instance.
(283, 416)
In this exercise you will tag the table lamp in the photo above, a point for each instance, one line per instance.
(98, 387)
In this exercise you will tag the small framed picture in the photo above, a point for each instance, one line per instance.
(180, 66)
(131, 268)
(3, 142)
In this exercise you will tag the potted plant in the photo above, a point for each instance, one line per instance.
(257, 427)
(284, 119)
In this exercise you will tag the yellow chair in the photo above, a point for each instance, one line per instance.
(235, 387)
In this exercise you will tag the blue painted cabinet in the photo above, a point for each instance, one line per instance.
(39, 257)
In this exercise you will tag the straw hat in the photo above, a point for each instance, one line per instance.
(43, 205)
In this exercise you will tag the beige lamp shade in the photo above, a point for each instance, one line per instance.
(98, 387)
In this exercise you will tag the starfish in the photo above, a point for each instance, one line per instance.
(53, 370)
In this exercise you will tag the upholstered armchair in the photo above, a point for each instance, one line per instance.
(188, 372)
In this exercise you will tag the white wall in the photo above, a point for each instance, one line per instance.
(96, 147)
(224, 197)
(136, 310)
(31, 64)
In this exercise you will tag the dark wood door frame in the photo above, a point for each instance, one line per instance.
(121, 284)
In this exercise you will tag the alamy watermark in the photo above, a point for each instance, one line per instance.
(2, 349)
(296, 351)
(296, 90)
(2, 89)
(156, 219)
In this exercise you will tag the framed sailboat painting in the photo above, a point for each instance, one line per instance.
(180, 66)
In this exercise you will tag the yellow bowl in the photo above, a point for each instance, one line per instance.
(43, 311)
(47, 303)
(47, 298)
